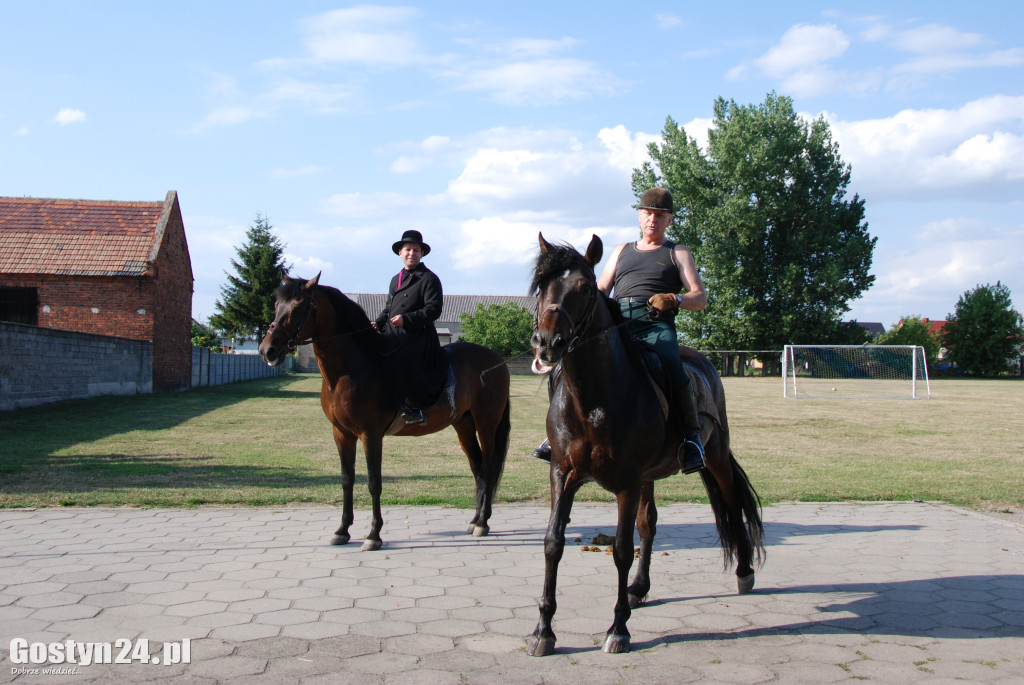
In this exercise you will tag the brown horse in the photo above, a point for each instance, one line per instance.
(359, 399)
(607, 423)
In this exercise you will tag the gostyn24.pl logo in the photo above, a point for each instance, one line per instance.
(70, 654)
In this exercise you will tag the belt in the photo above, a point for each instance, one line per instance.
(631, 308)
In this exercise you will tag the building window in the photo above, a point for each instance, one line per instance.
(19, 305)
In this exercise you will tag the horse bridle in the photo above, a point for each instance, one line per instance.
(575, 331)
(293, 337)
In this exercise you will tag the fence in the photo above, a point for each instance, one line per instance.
(41, 365)
(216, 369)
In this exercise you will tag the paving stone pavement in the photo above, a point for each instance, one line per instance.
(885, 593)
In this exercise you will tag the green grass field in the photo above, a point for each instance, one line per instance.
(267, 443)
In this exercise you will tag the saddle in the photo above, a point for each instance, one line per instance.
(445, 399)
(661, 382)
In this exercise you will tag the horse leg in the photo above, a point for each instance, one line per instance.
(542, 641)
(647, 526)
(465, 428)
(347, 452)
(617, 639)
(374, 447)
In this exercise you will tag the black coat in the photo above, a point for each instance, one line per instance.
(424, 365)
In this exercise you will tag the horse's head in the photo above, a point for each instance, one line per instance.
(567, 296)
(294, 319)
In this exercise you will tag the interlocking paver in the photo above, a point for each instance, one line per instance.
(888, 592)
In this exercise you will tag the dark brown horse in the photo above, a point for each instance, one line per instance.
(358, 396)
(607, 423)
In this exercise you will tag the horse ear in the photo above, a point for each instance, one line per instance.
(311, 283)
(594, 251)
(544, 245)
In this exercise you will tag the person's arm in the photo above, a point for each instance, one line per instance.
(381, 322)
(607, 279)
(694, 298)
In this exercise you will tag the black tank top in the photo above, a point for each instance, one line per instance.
(642, 273)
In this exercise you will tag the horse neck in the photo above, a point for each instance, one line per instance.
(593, 366)
(335, 347)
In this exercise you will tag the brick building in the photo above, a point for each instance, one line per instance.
(112, 268)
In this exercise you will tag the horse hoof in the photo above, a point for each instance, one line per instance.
(635, 600)
(745, 584)
(340, 539)
(616, 644)
(372, 545)
(540, 646)
(479, 531)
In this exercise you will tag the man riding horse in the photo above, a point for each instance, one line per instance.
(647, 277)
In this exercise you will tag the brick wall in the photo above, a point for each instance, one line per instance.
(40, 365)
(103, 305)
(172, 305)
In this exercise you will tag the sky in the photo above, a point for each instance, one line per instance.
(483, 124)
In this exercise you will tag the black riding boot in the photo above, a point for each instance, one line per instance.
(685, 410)
(543, 451)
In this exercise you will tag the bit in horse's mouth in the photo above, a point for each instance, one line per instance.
(540, 367)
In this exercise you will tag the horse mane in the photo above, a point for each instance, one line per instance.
(350, 316)
(561, 258)
(554, 262)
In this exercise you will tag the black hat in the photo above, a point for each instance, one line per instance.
(658, 199)
(411, 236)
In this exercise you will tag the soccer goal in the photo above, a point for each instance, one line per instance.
(855, 372)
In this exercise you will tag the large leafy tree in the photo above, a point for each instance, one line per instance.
(984, 333)
(246, 306)
(781, 249)
(912, 330)
(505, 328)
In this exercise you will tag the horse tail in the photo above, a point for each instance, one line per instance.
(501, 443)
(740, 525)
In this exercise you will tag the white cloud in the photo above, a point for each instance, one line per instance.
(932, 38)
(524, 48)
(308, 170)
(538, 82)
(978, 147)
(367, 34)
(23, 131)
(306, 265)
(943, 259)
(803, 47)
(667, 20)
(799, 60)
(67, 115)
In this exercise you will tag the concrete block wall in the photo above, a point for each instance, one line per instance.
(41, 365)
(216, 369)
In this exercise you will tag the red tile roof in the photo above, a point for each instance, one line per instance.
(79, 237)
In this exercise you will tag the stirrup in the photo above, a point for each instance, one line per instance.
(414, 416)
(543, 451)
(693, 459)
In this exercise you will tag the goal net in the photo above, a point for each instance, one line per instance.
(855, 372)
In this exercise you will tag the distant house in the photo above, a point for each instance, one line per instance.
(873, 329)
(112, 268)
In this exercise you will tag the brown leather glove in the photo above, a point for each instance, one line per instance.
(663, 302)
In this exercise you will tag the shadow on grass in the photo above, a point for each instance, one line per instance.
(29, 437)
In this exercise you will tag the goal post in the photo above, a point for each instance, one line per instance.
(855, 372)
